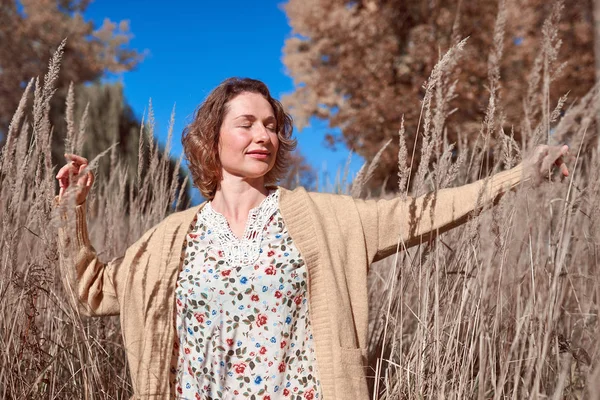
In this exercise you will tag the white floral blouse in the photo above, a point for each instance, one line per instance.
(242, 311)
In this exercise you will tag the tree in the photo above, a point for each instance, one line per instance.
(30, 31)
(361, 65)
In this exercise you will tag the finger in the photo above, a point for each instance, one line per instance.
(83, 178)
(90, 181)
(76, 159)
(63, 183)
(64, 171)
(562, 167)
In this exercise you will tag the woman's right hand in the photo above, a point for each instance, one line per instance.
(73, 170)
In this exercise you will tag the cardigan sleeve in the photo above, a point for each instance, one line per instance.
(394, 224)
(84, 276)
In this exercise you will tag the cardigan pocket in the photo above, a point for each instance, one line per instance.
(350, 375)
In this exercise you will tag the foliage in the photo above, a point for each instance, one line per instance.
(30, 30)
(362, 64)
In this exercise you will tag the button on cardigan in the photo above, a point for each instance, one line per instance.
(338, 238)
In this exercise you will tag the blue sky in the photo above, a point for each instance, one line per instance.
(192, 46)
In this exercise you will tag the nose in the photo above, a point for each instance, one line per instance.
(261, 134)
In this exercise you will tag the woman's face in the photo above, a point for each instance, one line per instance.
(248, 139)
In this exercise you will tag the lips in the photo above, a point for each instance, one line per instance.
(263, 152)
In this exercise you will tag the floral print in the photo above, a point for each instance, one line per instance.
(243, 330)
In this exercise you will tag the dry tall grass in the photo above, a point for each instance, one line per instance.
(503, 307)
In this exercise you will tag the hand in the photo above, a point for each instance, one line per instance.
(540, 163)
(74, 170)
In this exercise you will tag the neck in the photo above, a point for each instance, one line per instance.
(235, 197)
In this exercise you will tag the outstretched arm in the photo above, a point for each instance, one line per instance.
(91, 281)
(410, 221)
(88, 279)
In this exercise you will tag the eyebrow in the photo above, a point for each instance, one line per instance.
(251, 117)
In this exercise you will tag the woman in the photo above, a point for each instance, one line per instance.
(268, 296)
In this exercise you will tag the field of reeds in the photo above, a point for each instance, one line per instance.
(505, 306)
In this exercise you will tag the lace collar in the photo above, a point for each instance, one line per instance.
(245, 250)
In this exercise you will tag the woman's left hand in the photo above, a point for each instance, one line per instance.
(541, 162)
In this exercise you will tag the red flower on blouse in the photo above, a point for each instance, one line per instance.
(270, 270)
(309, 395)
(282, 367)
(229, 342)
(254, 297)
(267, 397)
(271, 253)
(278, 294)
(263, 350)
(225, 273)
(261, 320)
(186, 350)
(283, 343)
(298, 300)
(193, 236)
(239, 368)
(199, 317)
(286, 392)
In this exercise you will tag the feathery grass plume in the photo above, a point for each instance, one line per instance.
(584, 108)
(443, 66)
(488, 128)
(79, 139)
(510, 146)
(403, 168)
(150, 132)
(140, 153)
(341, 184)
(366, 172)
(6, 152)
(70, 119)
(550, 46)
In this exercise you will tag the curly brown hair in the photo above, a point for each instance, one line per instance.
(200, 138)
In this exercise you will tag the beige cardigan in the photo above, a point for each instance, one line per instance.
(338, 237)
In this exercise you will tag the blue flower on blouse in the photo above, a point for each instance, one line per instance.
(288, 384)
(257, 345)
(241, 307)
(286, 254)
(244, 279)
(210, 271)
(276, 388)
(277, 236)
(258, 380)
(187, 385)
(208, 322)
(190, 331)
(288, 320)
(273, 340)
(239, 343)
(264, 288)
